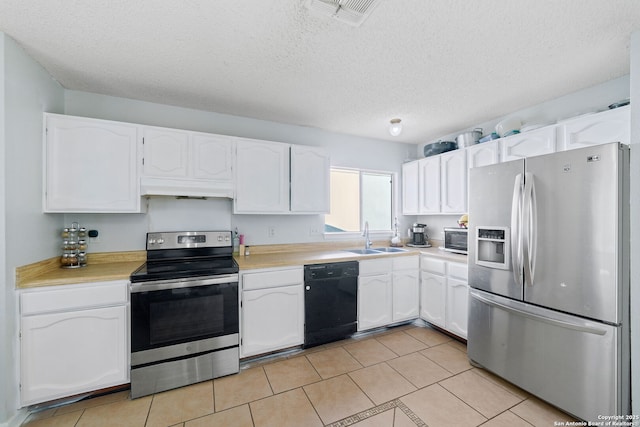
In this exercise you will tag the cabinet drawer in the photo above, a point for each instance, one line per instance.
(433, 265)
(406, 263)
(78, 297)
(271, 279)
(375, 266)
(458, 271)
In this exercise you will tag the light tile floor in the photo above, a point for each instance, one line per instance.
(402, 377)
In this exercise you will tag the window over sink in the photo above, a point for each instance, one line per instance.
(358, 196)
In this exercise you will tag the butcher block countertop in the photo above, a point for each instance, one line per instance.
(318, 253)
(102, 267)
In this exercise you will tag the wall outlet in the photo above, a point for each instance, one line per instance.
(94, 236)
(314, 231)
(271, 231)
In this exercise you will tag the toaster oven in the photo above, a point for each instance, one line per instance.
(456, 240)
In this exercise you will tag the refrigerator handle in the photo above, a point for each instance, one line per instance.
(577, 326)
(516, 230)
(530, 226)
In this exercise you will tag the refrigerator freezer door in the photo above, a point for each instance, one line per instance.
(570, 362)
(491, 204)
(577, 233)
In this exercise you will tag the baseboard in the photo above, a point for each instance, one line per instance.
(17, 419)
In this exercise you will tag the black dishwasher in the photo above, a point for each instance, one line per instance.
(330, 302)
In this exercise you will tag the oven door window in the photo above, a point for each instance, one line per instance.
(174, 316)
(456, 240)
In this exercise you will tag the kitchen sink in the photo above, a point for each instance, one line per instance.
(389, 249)
(362, 251)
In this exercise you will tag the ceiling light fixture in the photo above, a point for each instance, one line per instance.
(395, 128)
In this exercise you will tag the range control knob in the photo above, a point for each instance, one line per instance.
(160, 241)
(152, 241)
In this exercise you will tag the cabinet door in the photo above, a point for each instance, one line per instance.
(406, 295)
(457, 306)
(594, 129)
(166, 152)
(410, 190)
(63, 354)
(429, 178)
(528, 144)
(433, 298)
(309, 180)
(212, 157)
(487, 153)
(262, 177)
(453, 175)
(374, 301)
(91, 165)
(272, 319)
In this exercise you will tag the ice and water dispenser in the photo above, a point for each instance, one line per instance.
(493, 247)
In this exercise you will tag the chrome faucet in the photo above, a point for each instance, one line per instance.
(367, 241)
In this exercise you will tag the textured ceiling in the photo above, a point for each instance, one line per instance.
(439, 65)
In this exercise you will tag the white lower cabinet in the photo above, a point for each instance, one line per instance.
(405, 288)
(444, 294)
(73, 339)
(433, 290)
(457, 298)
(388, 291)
(272, 310)
(374, 293)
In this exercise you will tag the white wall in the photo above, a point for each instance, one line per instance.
(26, 234)
(595, 98)
(6, 365)
(635, 224)
(171, 214)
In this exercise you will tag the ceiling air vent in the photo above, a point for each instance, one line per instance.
(352, 12)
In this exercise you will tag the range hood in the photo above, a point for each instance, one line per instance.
(185, 188)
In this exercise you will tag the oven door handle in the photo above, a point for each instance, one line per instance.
(161, 285)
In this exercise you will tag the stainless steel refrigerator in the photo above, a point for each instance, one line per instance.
(549, 277)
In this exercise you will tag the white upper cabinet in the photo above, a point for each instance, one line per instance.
(429, 185)
(453, 175)
(90, 165)
(262, 177)
(487, 153)
(528, 144)
(436, 184)
(594, 129)
(184, 163)
(212, 157)
(166, 152)
(410, 188)
(277, 178)
(309, 180)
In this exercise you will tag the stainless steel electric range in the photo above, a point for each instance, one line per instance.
(184, 311)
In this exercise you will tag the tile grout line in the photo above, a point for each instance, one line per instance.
(377, 410)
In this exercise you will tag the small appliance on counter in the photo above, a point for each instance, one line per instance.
(418, 236)
(456, 240)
